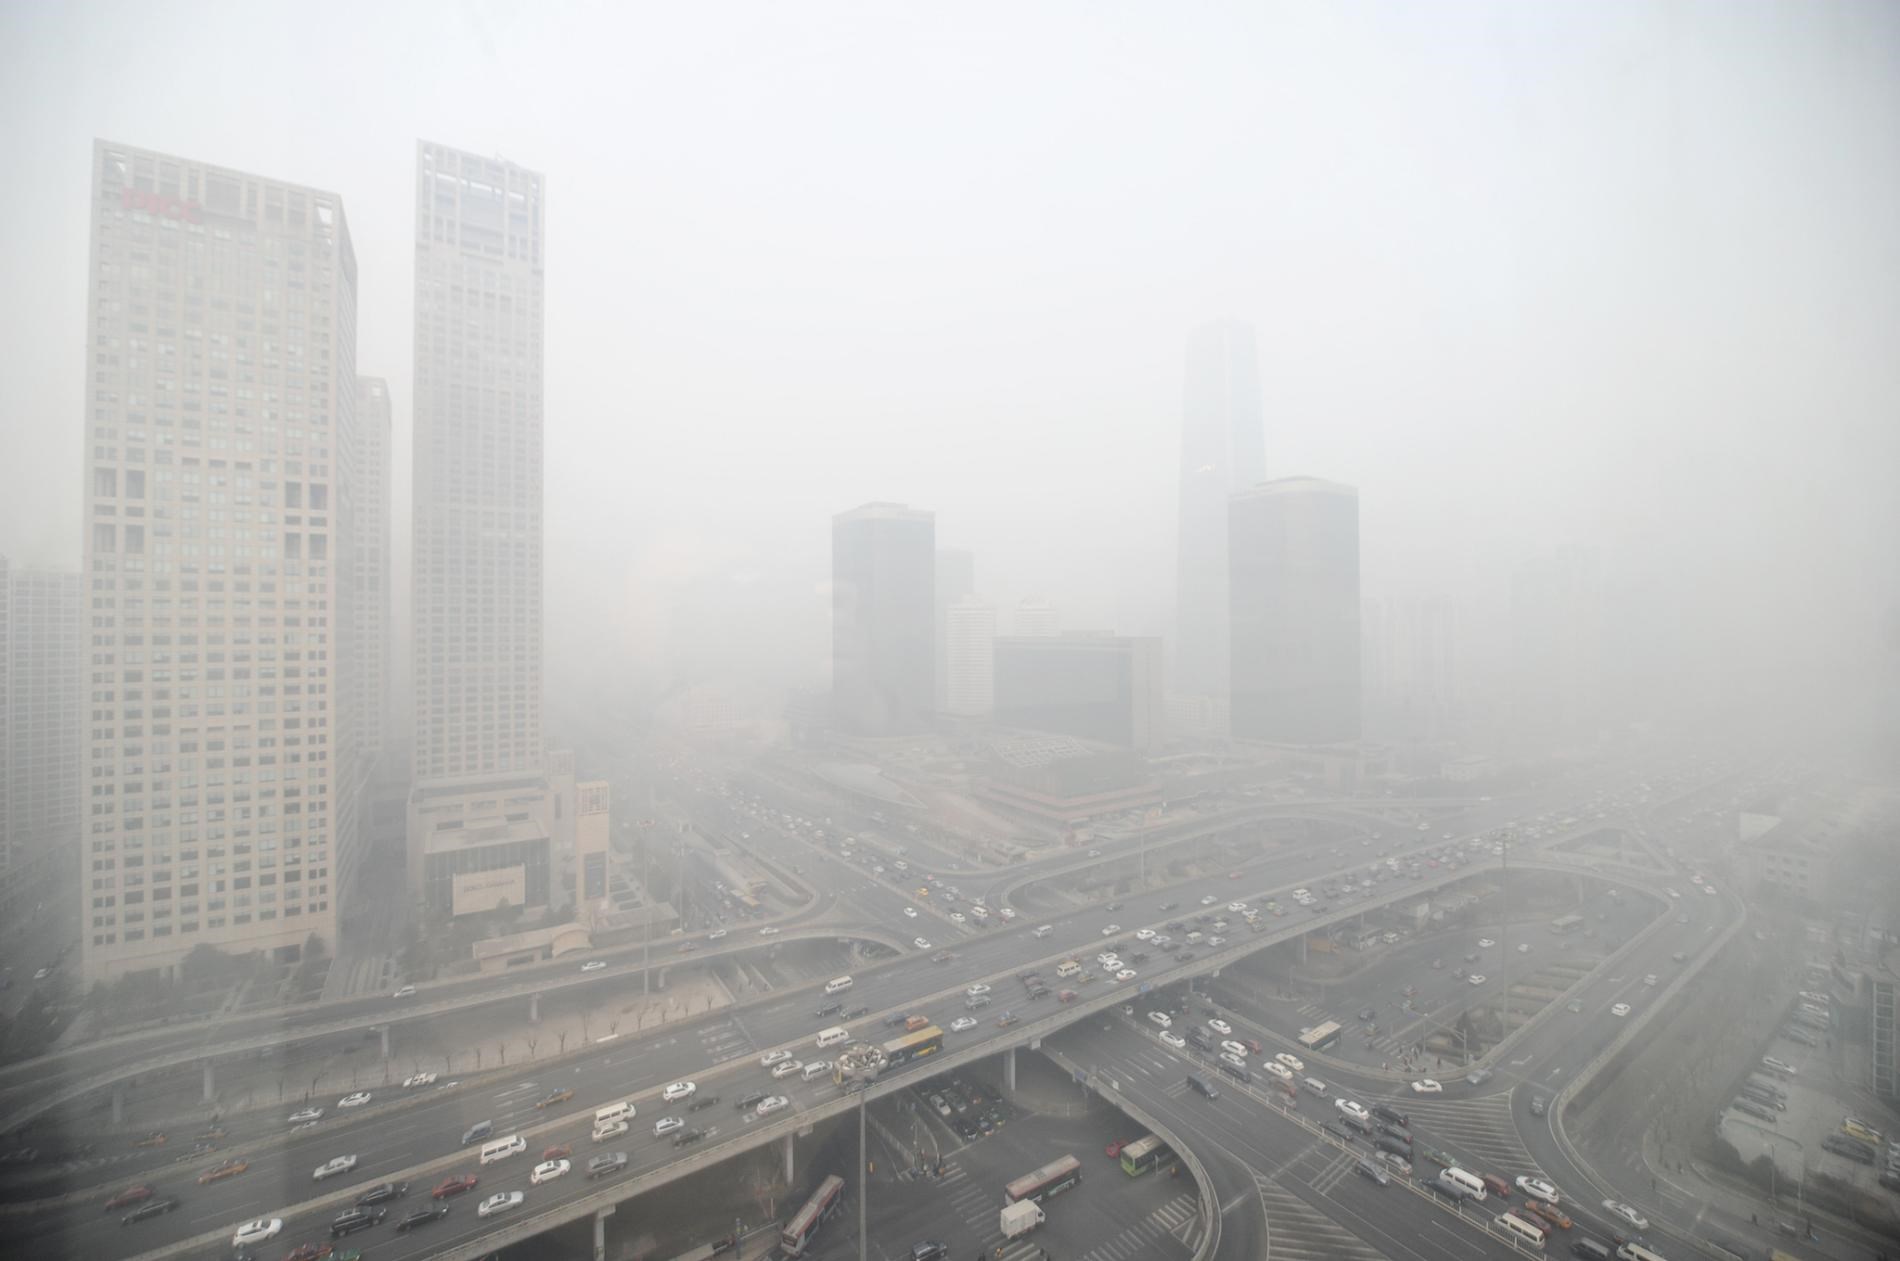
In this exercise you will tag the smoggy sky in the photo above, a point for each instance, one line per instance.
(1523, 273)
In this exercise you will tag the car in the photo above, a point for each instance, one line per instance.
(415, 1080)
(774, 1057)
(675, 1091)
(910, 912)
(749, 1100)
(1553, 1216)
(594, 965)
(553, 1097)
(1279, 1070)
(549, 1170)
(1650, 980)
(1233, 1048)
(785, 1068)
(306, 1114)
(1173, 1039)
(1126, 974)
(1539, 1105)
(421, 1217)
(311, 1252)
(1095, 853)
(977, 990)
(768, 931)
(131, 1195)
(606, 1164)
(263, 1230)
(1774, 1065)
(1293, 1062)
(500, 1202)
(666, 1125)
(1160, 1018)
(382, 1193)
(959, 917)
(454, 1185)
(1709, 889)
(147, 1210)
(229, 1169)
(1114, 1149)
(921, 943)
(610, 1129)
(352, 1220)
(1628, 1214)
(1209, 900)
(1426, 1086)
(1477, 978)
(1353, 1108)
(356, 1100)
(962, 1023)
(1485, 943)
(770, 1104)
(1619, 1009)
(1220, 1026)
(405, 991)
(1478, 1076)
(1538, 1188)
(331, 1168)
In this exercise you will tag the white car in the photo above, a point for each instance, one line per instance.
(977, 990)
(418, 1079)
(1233, 1048)
(1220, 1026)
(306, 1115)
(1485, 943)
(676, 1091)
(1008, 912)
(962, 1023)
(594, 965)
(331, 1168)
(1174, 1040)
(1216, 941)
(922, 943)
(1774, 1065)
(1426, 1086)
(1477, 978)
(1620, 1009)
(1209, 900)
(1160, 1018)
(609, 1129)
(785, 1068)
(1352, 1109)
(1126, 974)
(500, 1202)
(770, 1104)
(774, 1057)
(1619, 1209)
(1672, 893)
(958, 917)
(1111, 930)
(548, 1171)
(1709, 889)
(1277, 1069)
(910, 912)
(1539, 1188)
(263, 1230)
(1650, 980)
(1144, 934)
(1234, 1060)
(666, 1125)
(1237, 907)
(716, 934)
(356, 1100)
(768, 931)
(407, 991)
(1524, 947)
(1293, 1062)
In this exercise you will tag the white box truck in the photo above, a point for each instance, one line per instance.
(1021, 1217)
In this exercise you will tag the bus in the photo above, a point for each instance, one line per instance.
(913, 1046)
(1144, 1154)
(803, 1228)
(749, 904)
(1320, 1037)
(1566, 924)
(1052, 1179)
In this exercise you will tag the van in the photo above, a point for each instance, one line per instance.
(1633, 1251)
(1068, 967)
(838, 985)
(979, 913)
(1044, 930)
(1205, 1088)
(1194, 938)
(1590, 1250)
(477, 1132)
(817, 1068)
(622, 1111)
(833, 1036)
(503, 1148)
(1314, 1086)
(1466, 1181)
(1518, 1230)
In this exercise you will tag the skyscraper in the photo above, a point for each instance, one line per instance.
(1293, 549)
(1093, 685)
(971, 658)
(480, 810)
(956, 579)
(883, 618)
(220, 405)
(42, 654)
(1223, 449)
(370, 546)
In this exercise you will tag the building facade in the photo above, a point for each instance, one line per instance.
(220, 403)
(955, 581)
(970, 629)
(1223, 449)
(1103, 688)
(883, 623)
(42, 663)
(1035, 617)
(1294, 607)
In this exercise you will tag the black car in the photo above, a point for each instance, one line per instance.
(702, 1101)
(383, 1193)
(151, 1208)
(1337, 1130)
(1368, 1013)
(356, 1219)
(606, 1163)
(750, 1099)
(1389, 1114)
(895, 1019)
(829, 1009)
(685, 1137)
(855, 1012)
(422, 1217)
(1165, 907)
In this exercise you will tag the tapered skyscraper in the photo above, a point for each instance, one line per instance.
(1223, 449)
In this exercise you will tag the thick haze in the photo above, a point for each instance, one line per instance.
(1524, 274)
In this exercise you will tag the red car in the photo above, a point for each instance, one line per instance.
(1114, 1149)
(454, 1186)
(1252, 1044)
(1497, 1186)
(131, 1195)
(561, 1152)
(308, 1252)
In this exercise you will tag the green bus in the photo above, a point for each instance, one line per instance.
(1144, 1154)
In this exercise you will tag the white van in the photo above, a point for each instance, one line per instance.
(816, 1068)
(622, 1111)
(503, 1148)
(1068, 967)
(979, 913)
(1470, 1182)
(1045, 930)
(1521, 1231)
(833, 1036)
(837, 985)
(1314, 1086)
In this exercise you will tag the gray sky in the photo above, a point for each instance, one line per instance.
(1522, 272)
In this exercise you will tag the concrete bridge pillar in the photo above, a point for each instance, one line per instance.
(600, 1232)
(534, 1007)
(1009, 1070)
(788, 1159)
(210, 1088)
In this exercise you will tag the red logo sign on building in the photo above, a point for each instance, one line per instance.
(161, 205)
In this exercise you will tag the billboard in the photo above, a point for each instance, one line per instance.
(473, 892)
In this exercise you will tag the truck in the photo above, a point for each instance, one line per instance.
(1020, 1218)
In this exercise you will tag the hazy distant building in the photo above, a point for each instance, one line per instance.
(370, 543)
(883, 618)
(1098, 687)
(1060, 779)
(1294, 598)
(1557, 650)
(482, 812)
(1035, 617)
(1411, 667)
(1223, 448)
(42, 668)
(955, 580)
(219, 435)
(971, 658)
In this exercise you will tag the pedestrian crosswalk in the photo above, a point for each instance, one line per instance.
(1480, 1130)
(1179, 1219)
(1296, 1231)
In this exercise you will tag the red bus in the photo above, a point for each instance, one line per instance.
(800, 1231)
(1052, 1179)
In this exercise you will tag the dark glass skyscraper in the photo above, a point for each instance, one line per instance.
(883, 618)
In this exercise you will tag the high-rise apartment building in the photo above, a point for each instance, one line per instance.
(370, 545)
(220, 404)
(883, 618)
(956, 580)
(1223, 449)
(42, 655)
(1293, 550)
(481, 820)
(970, 628)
